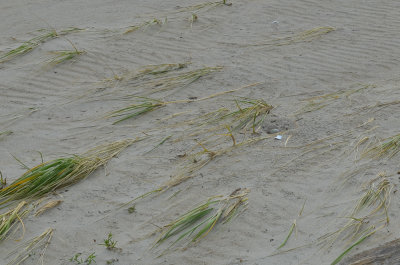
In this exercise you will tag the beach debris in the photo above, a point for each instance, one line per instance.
(61, 172)
(198, 222)
(278, 137)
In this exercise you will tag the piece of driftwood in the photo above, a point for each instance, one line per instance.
(387, 254)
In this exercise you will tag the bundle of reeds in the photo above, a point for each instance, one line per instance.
(33, 43)
(61, 172)
(198, 222)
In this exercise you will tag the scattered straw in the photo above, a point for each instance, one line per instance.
(319, 102)
(305, 36)
(389, 148)
(28, 248)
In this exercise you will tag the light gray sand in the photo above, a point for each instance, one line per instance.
(52, 111)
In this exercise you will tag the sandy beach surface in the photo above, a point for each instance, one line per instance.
(330, 69)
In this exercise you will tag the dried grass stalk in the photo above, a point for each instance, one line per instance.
(47, 206)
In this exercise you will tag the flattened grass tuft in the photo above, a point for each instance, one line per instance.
(144, 106)
(33, 43)
(178, 80)
(389, 148)
(58, 173)
(144, 25)
(198, 222)
(63, 56)
(305, 36)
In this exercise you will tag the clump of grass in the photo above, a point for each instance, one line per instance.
(79, 260)
(389, 148)
(247, 114)
(61, 172)
(63, 56)
(305, 36)
(10, 219)
(33, 43)
(178, 80)
(28, 248)
(366, 216)
(146, 105)
(109, 243)
(144, 73)
(250, 113)
(208, 5)
(145, 25)
(198, 222)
